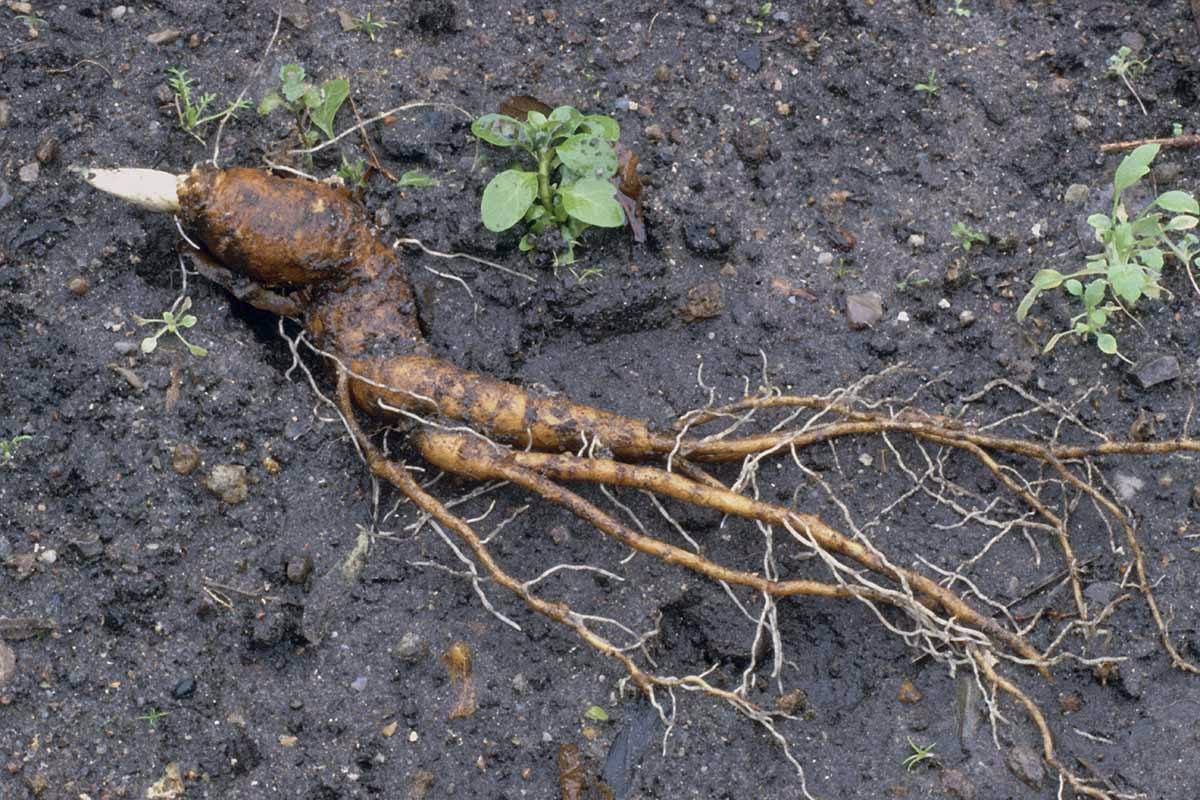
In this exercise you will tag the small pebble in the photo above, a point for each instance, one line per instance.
(410, 649)
(47, 150)
(78, 286)
(185, 459)
(298, 569)
(359, 683)
(228, 482)
(1080, 123)
(117, 13)
(29, 173)
(184, 689)
(48, 556)
(916, 241)
(966, 318)
(1076, 193)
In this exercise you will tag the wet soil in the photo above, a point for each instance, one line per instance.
(790, 164)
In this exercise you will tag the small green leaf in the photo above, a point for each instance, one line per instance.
(334, 93)
(313, 97)
(568, 120)
(197, 350)
(593, 200)
(188, 321)
(1146, 227)
(605, 126)
(506, 199)
(1107, 343)
(415, 178)
(1094, 293)
(1101, 222)
(1178, 202)
(525, 245)
(536, 119)
(1134, 167)
(291, 77)
(1182, 222)
(1126, 281)
(498, 129)
(1152, 257)
(1054, 340)
(1074, 287)
(589, 155)
(597, 714)
(168, 318)
(1048, 279)
(1097, 318)
(149, 344)
(269, 103)
(1027, 303)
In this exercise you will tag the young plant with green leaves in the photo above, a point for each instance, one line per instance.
(313, 105)
(192, 109)
(8, 447)
(929, 86)
(1124, 66)
(966, 237)
(173, 322)
(1130, 265)
(918, 755)
(570, 188)
(369, 25)
(353, 173)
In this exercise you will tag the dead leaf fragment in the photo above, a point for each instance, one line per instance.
(169, 786)
(704, 301)
(909, 693)
(458, 662)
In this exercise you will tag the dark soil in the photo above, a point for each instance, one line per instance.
(789, 163)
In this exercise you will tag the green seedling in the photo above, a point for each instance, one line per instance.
(587, 273)
(571, 188)
(967, 236)
(370, 26)
(314, 106)
(596, 714)
(929, 86)
(1124, 66)
(843, 271)
(918, 755)
(353, 173)
(1132, 259)
(8, 448)
(192, 109)
(416, 179)
(908, 282)
(172, 322)
(759, 20)
(153, 716)
(959, 9)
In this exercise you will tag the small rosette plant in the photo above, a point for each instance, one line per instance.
(571, 188)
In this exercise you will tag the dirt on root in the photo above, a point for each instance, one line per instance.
(182, 538)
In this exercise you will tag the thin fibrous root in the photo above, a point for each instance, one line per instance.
(532, 470)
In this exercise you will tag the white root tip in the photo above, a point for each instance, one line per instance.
(150, 189)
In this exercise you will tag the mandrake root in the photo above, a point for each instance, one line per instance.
(306, 251)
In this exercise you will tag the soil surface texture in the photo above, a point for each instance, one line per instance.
(202, 595)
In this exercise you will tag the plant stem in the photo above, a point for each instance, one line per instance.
(1133, 91)
(544, 183)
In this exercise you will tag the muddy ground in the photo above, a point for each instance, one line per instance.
(790, 163)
